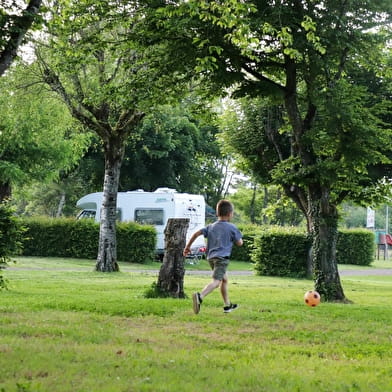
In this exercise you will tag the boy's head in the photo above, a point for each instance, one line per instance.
(224, 208)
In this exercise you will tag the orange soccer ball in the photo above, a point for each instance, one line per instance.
(312, 298)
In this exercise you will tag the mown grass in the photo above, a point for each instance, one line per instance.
(64, 327)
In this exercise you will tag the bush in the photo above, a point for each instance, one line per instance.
(135, 243)
(281, 251)
(64, 237)
(11, 236)
(243, 253)
(355, 246)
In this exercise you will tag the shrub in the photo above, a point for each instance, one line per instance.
(243, 253)
(355, 246)
(281, 251)
(11, 235)
(64, 237)
(135, 243)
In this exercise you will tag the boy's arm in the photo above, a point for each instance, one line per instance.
(239, 242)
(187, 248)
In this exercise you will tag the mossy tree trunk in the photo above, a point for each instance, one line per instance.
(324, 222)
(171, 275)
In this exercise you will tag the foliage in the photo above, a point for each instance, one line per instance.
(353, 216)
(317, 129)
(249, 233)
(355, 246)
(281, 252)
(265, 205)
(16, 18)
(135, 243)
(174, 149)
(97, 65)
(11, 235)
(38, 137)
(79, 238)
(52, 199)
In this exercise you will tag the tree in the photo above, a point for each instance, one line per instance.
(265, 205)
(38, 137)
(321, 130)
(15, 21)
(94, 62)
(173, 149)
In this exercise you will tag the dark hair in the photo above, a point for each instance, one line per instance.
(224, 208)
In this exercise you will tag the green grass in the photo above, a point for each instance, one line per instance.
(64, 327)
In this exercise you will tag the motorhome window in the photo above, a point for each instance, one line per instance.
(148, 216)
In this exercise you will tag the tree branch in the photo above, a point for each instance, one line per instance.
(262, 78)
(18, 31)
(52, 80)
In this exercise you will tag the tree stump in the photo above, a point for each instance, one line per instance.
(171, 275)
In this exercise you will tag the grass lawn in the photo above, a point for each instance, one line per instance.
(64, 327)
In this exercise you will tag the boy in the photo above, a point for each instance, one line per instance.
(220, 238)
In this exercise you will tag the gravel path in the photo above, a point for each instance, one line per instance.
(342, 272)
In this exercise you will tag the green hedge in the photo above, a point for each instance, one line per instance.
(62, 237)
(11, 237)
(355, 246)
(281, 251)
(244, 252)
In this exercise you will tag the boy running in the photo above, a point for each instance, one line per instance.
(221, 235)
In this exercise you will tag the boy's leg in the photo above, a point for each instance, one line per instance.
(215, 280)
(210, 287)
(224, 288)
(219, 267)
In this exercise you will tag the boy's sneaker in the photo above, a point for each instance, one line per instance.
(196, 302)
(229, 308)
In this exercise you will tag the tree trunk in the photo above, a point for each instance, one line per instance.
(171, 274)
(61, 205)
(324, 218)
(5, 191)
(265, 204)
(107, 249)
(253, 204)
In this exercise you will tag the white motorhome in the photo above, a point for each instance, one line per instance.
(152, 208)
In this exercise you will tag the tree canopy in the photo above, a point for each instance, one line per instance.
(320, 132)
(38, 137)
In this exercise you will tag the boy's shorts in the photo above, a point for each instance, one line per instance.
(219, 267)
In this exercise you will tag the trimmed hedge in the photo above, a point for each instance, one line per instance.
(11, 233)
(281, 251)
(355, 246)
(63, 237)
(244, 252)
(11, 237)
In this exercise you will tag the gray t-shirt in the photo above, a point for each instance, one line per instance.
(220, 238)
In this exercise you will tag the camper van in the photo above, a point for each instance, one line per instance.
(152, 208)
